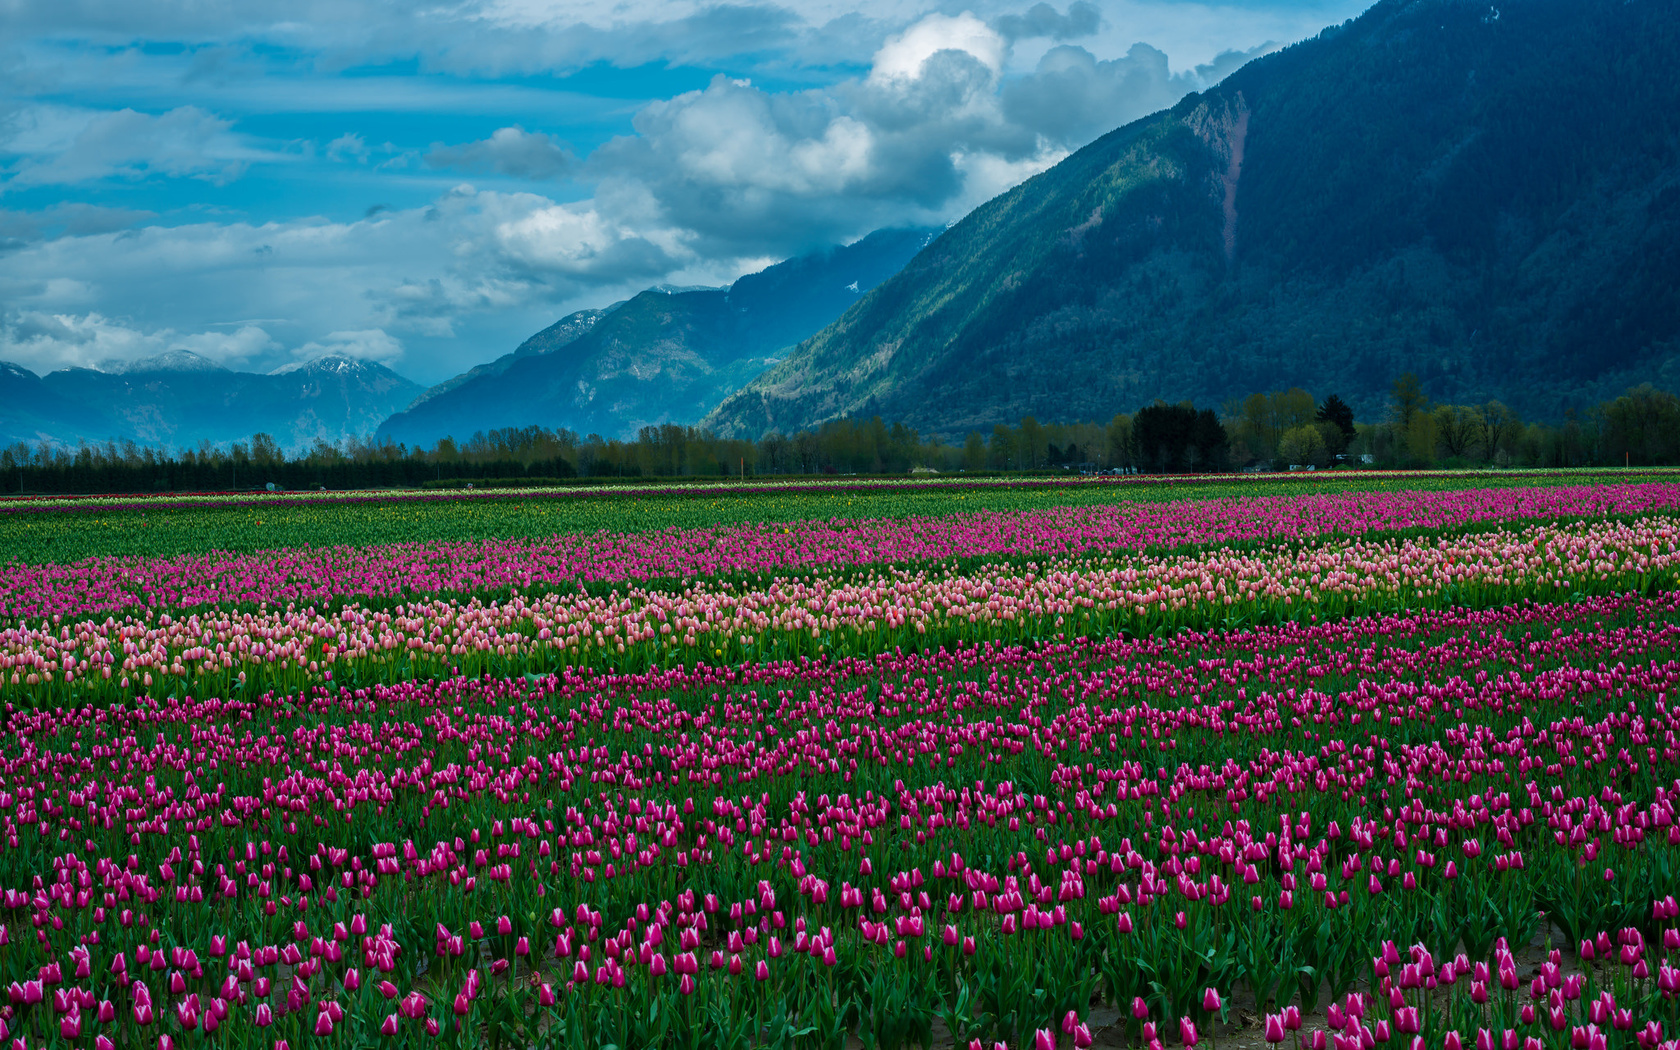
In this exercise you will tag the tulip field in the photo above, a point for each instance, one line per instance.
(72, 528)
(1339, 764)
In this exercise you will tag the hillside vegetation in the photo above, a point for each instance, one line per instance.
(1488, 196)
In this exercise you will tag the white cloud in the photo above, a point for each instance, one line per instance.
(511, 151)
(370, 344)
(567, 240)
(985, 175)
(418, 276)
(43, 342)
(57, 146)
(903, 57)
(348, 147)
(231, 348)
(925, 135)
(936, 126)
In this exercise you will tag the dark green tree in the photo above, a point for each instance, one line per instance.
(1335, 410)
(1177, 437)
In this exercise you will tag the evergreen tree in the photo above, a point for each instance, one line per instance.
(1335, 410)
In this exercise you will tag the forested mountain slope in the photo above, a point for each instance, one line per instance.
(1485, 194)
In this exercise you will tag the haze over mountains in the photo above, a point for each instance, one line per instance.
(1487, 194)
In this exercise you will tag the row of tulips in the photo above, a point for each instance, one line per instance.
(1389, 811)
(772, 483)
(222, 652)
(324, 574)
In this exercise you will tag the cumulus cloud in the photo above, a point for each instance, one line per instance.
(58, 146)
(577, 242)
(935, 127)
(751, 171)
(1040, 20)
(450, 283)
(511, 151)
(45, 341)
(1072, 97)
(369, 344)
(42, 342)
(904, 57)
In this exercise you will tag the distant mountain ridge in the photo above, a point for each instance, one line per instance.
(1488, 196)
(32, 413)
(663, 356)
(168, 361)
(181, 399)
(561, 333)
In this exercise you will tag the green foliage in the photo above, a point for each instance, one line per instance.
(1303, 446)
(1642, 425)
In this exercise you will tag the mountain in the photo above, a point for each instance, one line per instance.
(663, 356)
(31, 413)
(561, 333)
(181, 399)
(1485, 194)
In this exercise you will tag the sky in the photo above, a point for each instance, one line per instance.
(424, 183)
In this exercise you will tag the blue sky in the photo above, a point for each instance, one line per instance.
(425, 184)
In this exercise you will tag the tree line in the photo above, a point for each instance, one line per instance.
(1277, 430)
(1639, 428)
